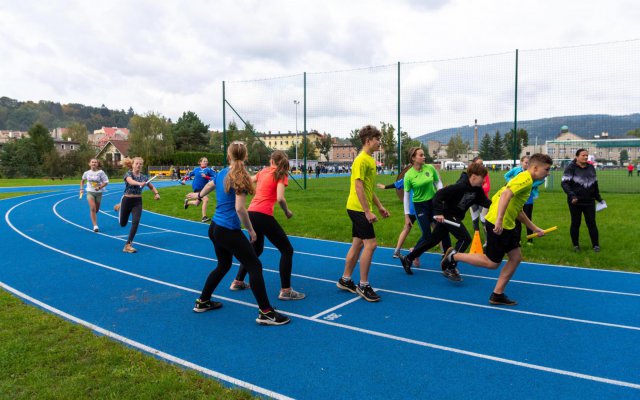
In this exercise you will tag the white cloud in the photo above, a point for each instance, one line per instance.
(172, 57)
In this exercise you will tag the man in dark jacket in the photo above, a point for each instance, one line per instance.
(450, 204)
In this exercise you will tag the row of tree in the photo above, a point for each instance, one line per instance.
(494, 147)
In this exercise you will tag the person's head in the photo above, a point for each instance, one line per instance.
(238, 177)
(203, 162)
(94, 164)
(476, 173)
(415, 155)
(524, 162)
(370, 137)
(476, 160)
(582, 156)
(280, 160)
(134, 164)
(539, 166)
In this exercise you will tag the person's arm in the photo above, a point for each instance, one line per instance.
(486, 184)
(505, 198)
(243, 214)
(596, 189)
(154, 190)
(567, 182)
(362, 198)
(383, 211)
(281, 200)
(522, 217)
(202, 193)
(82, 183)
(105, 181)
(133, 182)
(438, 183)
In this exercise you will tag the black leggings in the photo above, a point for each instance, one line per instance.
(130, 206)
(266, 225)
(440, 232)
(589, 211)
(229, 243)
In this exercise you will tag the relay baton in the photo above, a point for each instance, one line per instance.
(534, 235)
(152, 178)
(81, 193)
(449, 222)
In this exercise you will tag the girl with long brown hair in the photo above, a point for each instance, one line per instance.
(232, 185)
(270, 185)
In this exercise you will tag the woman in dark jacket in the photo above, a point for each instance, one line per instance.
(580, 183)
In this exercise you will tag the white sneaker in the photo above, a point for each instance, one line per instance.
(95, 228)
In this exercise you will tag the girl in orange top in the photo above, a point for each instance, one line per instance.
(270, 184)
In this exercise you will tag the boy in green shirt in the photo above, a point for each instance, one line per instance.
(505, 208)
(359, 203)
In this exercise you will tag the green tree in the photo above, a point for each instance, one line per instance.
(522, 140)
(456, 147)
(78, 133)
(485, 152)
(354, 139)
(311, 151)
(389, 143)
(634, 132)
(42, 141)
(18, 159)
(150, 137)
(190, 133)
(406, 142)
(624, 156)
(324, 144)
(497, 147)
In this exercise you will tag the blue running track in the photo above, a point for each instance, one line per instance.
(575, 332)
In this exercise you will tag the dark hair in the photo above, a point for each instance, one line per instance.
(404, 171)
(281, 161)
(369, 132)
(477, 169)
(475, 159)
(580, 151)
(540, 158)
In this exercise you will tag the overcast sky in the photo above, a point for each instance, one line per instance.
(170, 57)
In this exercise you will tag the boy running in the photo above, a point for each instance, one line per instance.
(451, 203)
(359, 203)
(506, 206)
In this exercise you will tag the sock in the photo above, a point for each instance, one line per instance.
(346, 278)
(363, 284)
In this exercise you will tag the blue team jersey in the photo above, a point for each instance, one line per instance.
(225, 215)
(198, 180)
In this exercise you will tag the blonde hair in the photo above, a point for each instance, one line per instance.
(128, 162)
(238, 177)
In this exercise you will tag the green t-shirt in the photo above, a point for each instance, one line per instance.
(421, 182)
(521, 188)
(363, 168)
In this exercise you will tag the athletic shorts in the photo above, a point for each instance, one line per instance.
(361, 228)
(499, 245)
(97, 196)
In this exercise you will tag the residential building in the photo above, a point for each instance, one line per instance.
(113, 152)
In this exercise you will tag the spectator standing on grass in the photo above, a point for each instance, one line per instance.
(359, 203)
(630, 169)
(580, 183)
(96, 180)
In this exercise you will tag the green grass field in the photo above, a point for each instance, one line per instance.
(44, 356)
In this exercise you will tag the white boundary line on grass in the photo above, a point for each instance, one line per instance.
(348, 327)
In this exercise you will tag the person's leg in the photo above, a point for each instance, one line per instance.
(205, 202)
(352, 257)
(475, 216)
(93, 207)
(277, 236)
(423, 215)
(124, 210)
(528, 210)
(406, 229)
(225, 259)
(590, 219)
(370, 246)
(136, 214)
(258, 248)
(576, 220)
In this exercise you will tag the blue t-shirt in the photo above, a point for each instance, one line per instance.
(133, 189)
(198, 180)
(225, 215)
(399, 184)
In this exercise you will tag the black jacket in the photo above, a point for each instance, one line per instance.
(581, 183)
(454, 200)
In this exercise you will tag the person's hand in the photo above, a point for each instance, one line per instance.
(539, 231)
(143, 184)
(252, 235)
(371, 217)
(574, 200)
(289, 214)
(157, 196)
(192, 195)
(379, 185)
(384, 212)
(407, 221)
(498, 228)
(439, 218)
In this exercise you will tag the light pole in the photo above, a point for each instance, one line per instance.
(296, 102)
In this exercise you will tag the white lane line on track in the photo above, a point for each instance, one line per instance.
(148, 349)
(492, 308)
(348, 327)
(346, 303)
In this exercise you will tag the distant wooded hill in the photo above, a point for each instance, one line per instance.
(585, 126)
(20, 116)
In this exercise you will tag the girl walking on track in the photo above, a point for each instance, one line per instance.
(232, 185)
(96, 180)
(270, 186)
(131, 201)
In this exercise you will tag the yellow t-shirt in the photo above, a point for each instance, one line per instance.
(521, 188)
(363, 168)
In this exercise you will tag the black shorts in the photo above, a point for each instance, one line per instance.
(361, 228)
(499, 245)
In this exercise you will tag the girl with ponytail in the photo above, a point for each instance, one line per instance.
(232, 185)
(271, 182)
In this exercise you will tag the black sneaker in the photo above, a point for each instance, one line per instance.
(186, 203)
(447, 261)
(202, 306)
(501, 300)
(595, 248)
(349, 286)
(576, 249)
(367, 293)
(452, 274)
(272, 317)
(205, 219)
(406, 264)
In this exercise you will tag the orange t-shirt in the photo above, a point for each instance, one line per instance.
(266, 191)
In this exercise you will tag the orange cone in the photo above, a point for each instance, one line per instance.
(476, 244)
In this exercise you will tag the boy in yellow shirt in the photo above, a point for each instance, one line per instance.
(505, 208)
(359, 203)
